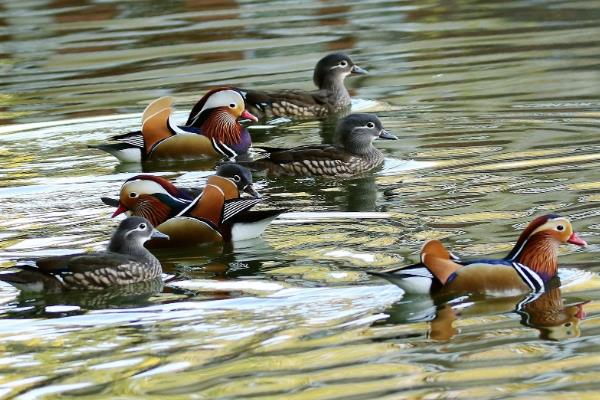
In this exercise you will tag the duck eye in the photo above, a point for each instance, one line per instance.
(370, 125)
(343, 63)
(232, 105)
(142, 226)
(560, 228)
(568, 325)
(133, 194)
(237, 178)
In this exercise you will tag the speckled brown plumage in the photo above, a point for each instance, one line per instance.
(331, 96)
(354, 155)
(318, 161)
(125, 261)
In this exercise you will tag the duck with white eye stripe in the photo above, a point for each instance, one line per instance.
(331, 97)
(213, 130)
(125, 261)
(529, 267)
(355, 153)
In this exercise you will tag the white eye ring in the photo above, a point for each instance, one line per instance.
(133, 195)
(237, 178)
(232, 105)
(343, 63)
(560, 228)
(370, 125)
(142, 226)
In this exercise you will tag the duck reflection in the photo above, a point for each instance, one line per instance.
(546, 312)
(552, 317)
(35, 305)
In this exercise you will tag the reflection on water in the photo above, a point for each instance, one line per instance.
(496, 105)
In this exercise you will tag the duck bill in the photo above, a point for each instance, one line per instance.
(386, 135)
(247, 115)
(356, 70)
(159, 235)
(120, 210)
(575, 239)
(251, 191)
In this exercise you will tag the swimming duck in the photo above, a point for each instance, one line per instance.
(217, 214)
(529, 267)
(125, 261)
(354, 155)
(212, 131)
(331, 97)
(141, 189)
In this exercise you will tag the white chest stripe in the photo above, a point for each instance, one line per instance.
(531, 278)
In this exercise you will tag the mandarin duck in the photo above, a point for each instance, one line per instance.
(331, 97)
(158, 189)
(354, 155)
(125, 261)
(529, 267)
(217, 214)
(212, 131)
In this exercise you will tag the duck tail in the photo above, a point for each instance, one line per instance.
(28, 278)
(125, 152)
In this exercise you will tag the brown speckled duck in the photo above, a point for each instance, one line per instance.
(125, 261)
(354, 155)
(331, 97)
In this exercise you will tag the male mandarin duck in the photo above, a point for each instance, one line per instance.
(176, 198)
(125, 261)
(212, 130)
(354, 155)
(530, 266)
(217, 214)
(331, 97)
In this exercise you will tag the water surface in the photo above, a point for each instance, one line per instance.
(496, 105)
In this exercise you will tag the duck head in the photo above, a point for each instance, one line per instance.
(131, 234)
(240, 176)
(537, 247)
(356, 132)
(333, 69)
(151, 197)
(217, 114)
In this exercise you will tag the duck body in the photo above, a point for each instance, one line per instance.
(330, 98)
(354, 155)
(527, 268)
(217, 214)
(125, 261)
(212, 131)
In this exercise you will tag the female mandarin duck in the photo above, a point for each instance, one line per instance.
(217, 214)
(332, 96)
(530, 266)
(212, 131)
(125, 261)
(355, 155)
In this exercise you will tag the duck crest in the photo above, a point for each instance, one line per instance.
(196, 110)
(164, 183)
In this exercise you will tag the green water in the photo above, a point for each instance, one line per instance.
(496, 104)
